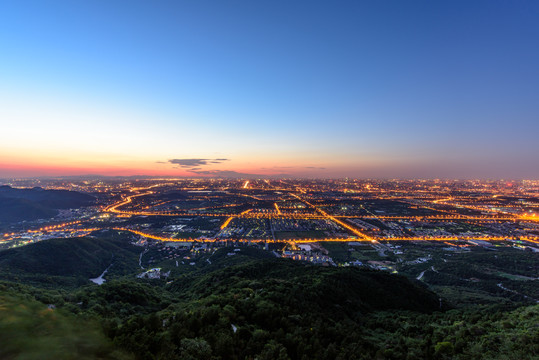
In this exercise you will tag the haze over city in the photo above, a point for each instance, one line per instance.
(270, 89)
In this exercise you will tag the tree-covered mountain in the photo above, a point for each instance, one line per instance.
(67, 262)
(36, 203)
(247, 306)
(15, 210)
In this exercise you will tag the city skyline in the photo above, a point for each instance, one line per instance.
(304, 90)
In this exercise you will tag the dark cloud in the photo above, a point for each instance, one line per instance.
(235, 174)
(192, 163)
(224, 173)
(314, 167)
(276, 167)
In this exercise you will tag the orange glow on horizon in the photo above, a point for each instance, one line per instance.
(35, 168)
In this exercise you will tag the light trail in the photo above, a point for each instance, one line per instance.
(305, 241)
(320, 214)
(346, 226)
(533, 239)
(114, 207)
(227, 221)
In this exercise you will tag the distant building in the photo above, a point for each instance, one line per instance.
(154, 273)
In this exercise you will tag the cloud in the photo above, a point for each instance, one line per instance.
(277, 167)
(224, 173)
(203, 167)
(314, 167)
(193, 163)
(235, 174)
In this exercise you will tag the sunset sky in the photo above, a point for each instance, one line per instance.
(425, 89)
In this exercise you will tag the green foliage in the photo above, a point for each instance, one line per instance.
(31, 330)
(473, 277)
(121, 298)
(67, 262)
(251, 306)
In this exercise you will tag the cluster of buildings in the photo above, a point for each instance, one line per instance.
(154, 273)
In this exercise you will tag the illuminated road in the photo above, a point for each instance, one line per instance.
(277, 209)
(426, 238)
(329, 217)
(321, 214)
(114, 207)
(127, 207)
(86, 231)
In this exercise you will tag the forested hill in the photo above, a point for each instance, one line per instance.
(300, 286)
(57, 199)
(36, 203)
(67, 262)
(247, 306)
(71, 262)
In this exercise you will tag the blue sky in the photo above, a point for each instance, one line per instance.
(358, 88)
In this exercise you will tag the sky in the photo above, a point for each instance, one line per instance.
(317, 89)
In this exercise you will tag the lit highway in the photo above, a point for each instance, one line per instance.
(296, 201)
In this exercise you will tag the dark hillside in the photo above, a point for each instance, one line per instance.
(15, 210)
(56, 199)
(67, 261)
(300, 286)
(36, 203)
(242, 304)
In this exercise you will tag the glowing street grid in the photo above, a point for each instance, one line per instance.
(294, 211)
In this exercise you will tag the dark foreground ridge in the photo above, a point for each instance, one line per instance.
(247, 306)
(67, 262)
(325, 289)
